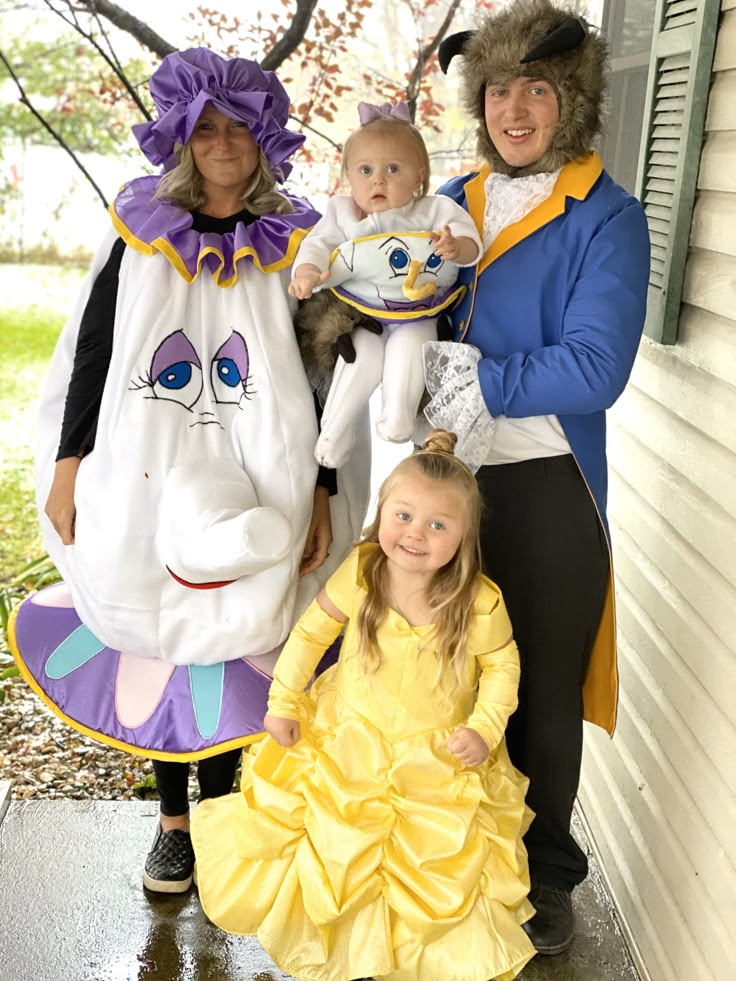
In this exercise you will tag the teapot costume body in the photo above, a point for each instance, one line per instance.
(194, 506)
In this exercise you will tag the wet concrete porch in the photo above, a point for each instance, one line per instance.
(72, 908)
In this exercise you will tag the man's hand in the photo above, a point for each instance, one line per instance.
(468, 747)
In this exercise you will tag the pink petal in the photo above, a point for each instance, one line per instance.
(140, 683)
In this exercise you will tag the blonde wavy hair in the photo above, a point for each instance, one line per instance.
(395, 131)
(453, 588)
(182, 186)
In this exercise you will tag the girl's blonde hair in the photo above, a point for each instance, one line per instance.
(182, 186)
(453, 588)
(394, 130)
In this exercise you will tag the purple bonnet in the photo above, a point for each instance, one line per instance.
(186, 81)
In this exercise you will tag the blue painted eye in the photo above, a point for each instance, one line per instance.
(399, 259)
(176, 376)
(434, 261)
(227, 372)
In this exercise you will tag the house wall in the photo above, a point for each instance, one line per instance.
(660, 798)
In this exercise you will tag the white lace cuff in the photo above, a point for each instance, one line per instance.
(457, 403)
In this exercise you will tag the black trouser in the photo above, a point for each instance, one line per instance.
(543, 544)
(215, 775)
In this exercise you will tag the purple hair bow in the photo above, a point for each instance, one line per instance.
(368, 112)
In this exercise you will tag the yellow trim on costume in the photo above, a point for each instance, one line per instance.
(475, 195)
(600, 688)
(575, 181)
(384, 235)
(100, 737)
(169, 252)
(397, 316)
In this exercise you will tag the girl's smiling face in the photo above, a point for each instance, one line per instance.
(422, 523)
(521, 118)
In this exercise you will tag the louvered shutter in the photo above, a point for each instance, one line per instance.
(674, 117)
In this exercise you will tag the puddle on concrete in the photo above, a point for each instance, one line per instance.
(73, 907)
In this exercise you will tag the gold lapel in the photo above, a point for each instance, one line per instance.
(575, 181)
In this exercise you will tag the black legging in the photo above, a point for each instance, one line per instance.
(215, 775)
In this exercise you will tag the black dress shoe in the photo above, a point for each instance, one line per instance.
(552, 928)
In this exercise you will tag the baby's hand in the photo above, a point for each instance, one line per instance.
(285, 732)
(307, 277)
(462, 250)
(468, 747)
(445, 243)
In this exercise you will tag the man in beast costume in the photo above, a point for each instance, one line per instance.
(549, 331)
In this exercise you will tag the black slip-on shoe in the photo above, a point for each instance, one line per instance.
(170, 862)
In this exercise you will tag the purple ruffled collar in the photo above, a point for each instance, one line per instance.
(150, 225)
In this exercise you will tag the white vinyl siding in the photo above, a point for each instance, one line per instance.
(660, 798)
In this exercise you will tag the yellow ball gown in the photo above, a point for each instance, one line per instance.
(367, 849)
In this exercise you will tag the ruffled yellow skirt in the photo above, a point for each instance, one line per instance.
(353, 857)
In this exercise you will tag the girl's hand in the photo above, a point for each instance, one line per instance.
(468, 747)
(60, 504)
(319, 536)
(306, 278)
(285, 732)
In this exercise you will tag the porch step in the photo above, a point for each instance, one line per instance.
(72, 907)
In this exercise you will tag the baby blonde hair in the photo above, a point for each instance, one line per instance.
(182, 186)
(453, 588)
(396, 131)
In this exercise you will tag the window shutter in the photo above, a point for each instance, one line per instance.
(674, 119)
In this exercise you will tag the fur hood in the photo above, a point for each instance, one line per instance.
(493, 54)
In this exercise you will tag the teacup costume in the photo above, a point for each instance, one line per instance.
(382, 267)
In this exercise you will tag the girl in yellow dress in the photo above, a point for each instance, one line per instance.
(378, 831)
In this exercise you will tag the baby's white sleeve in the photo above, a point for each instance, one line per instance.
(460, 223)
(322, 240)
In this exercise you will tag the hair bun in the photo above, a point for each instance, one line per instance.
(440, 441)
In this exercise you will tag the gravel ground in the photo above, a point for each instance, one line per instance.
(44, 758)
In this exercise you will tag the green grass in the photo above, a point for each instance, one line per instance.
(28, 339)
(36, 301)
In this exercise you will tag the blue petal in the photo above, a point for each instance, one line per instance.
(78, 648)
(206, 682)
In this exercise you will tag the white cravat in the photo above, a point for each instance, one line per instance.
(508, 200)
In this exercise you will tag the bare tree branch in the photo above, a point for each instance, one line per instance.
(127, 22)
(292, 36)
(415, 79)
(110, 59)
(287, 43)
(50, 129)
(317, 132)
